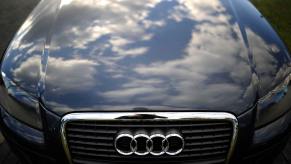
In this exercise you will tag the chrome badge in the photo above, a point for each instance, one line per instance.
(155, 143)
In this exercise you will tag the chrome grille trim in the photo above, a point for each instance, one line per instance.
(109, 116)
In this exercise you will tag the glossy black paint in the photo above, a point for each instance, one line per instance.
(210, 55)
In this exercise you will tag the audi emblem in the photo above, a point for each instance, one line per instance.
(141, 143)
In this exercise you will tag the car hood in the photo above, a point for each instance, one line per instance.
(152, 55)
(147, 54)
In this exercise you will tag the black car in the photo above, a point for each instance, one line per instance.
(154, 81)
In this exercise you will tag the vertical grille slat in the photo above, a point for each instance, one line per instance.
(206, 140)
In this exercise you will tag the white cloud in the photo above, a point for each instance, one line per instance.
(28, 69)
(68, 74)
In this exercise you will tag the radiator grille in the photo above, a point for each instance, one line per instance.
(91, 141)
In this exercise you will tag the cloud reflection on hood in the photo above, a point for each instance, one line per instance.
(137, 62)
(179, 53)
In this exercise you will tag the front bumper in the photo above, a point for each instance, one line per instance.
(252, 144)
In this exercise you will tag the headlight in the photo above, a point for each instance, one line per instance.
(274, 104)
(30, 134)
(20, 104)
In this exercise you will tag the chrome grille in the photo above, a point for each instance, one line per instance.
(208, 139)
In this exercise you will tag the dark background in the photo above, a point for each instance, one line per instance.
(278, 13)
(12, 15)
(14, 12)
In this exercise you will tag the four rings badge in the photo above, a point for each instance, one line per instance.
(155, 144)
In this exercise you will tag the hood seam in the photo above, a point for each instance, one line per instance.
(45, 54)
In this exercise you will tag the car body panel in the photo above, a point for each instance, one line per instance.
(148, 55)
(21, 65)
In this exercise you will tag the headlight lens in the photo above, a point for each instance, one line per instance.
(19, 103)
(274, 104)
(30, 134)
